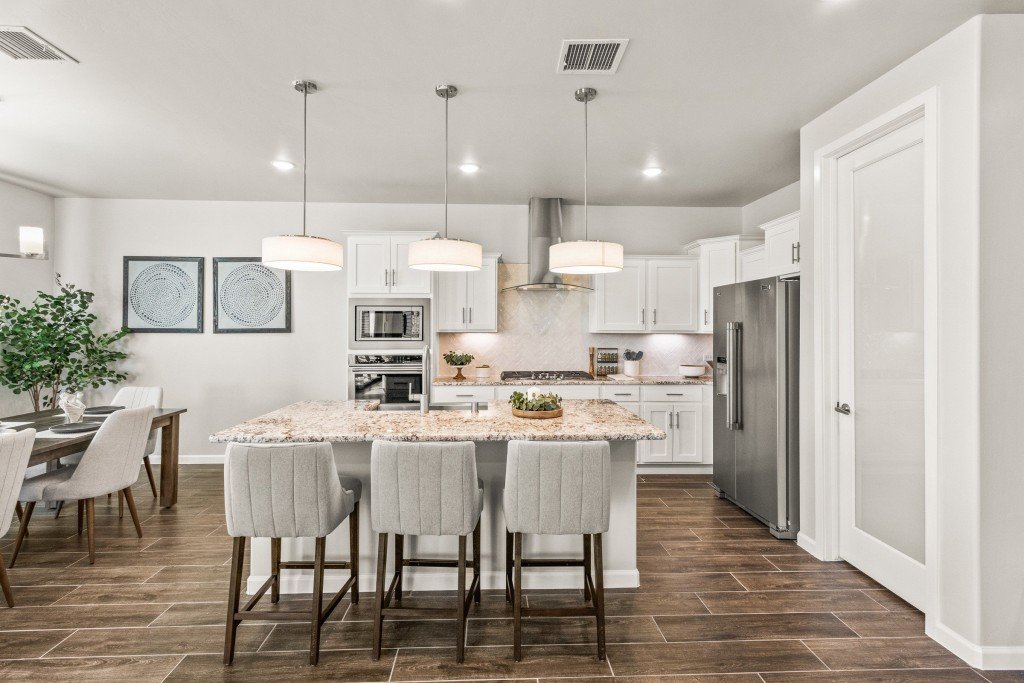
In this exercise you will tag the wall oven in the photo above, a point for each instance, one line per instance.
(388, 323)
(395, 379)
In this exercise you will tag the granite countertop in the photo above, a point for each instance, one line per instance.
(496, 381)
(340, 421)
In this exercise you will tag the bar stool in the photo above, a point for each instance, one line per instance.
(280, 491)
(425, 489)
(15, 450)
(557, 488)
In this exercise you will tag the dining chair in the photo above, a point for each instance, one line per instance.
(557, 488)
(137, 397)
(110, 464)
(15, 450)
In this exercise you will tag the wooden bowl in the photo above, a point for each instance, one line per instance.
(537, 414)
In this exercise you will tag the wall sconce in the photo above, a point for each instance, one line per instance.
(31, 243)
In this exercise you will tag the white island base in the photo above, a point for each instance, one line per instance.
(353, 459)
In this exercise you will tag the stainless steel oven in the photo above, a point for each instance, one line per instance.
(395, 379)
(388, 323)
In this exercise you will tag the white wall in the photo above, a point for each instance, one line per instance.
(22, 278)
(771, 206)
(223, 379)
(980, 558)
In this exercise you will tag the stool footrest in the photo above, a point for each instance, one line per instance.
(559, 611)
(298, 564)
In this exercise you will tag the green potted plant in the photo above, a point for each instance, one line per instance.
(458, 360)
(535, 405)
(51, 346)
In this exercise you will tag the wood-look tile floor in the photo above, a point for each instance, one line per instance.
(721, 600)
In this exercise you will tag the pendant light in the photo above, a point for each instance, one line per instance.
(445, 254)
(586, 256)
(302, 252)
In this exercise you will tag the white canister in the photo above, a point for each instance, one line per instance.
(482, 371)
(631, 368)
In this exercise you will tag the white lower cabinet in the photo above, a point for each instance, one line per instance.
(448, 394)
(683, 412)
(577, 391)
(658, 414)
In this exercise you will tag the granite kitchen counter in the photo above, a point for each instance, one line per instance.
(494, 381)
(341, 422)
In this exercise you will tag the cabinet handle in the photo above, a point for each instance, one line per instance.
(797, 253)
(643, 316)
(670, 425)
(705, 316)
(463, 395)
(463, 315)
(392, 277)
(470, 315)
(622, 394)
(655, 321)
(385, 277)
(668, 394)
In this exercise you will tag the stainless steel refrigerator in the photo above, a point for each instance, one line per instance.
(756, 351)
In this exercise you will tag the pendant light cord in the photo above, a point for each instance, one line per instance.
(446, 98)
(305, 96)
(586, 167)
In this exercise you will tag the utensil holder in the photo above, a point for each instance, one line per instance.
(631, 368)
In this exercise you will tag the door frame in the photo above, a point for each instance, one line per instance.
(826, 331)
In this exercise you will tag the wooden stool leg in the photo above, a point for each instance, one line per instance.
(476, 562)
(22, 531)
(90, 528)
(81, 516)
(517, 599)
(399, 565)
(318, 600)
(120, 505)
(509, 593)
(599, 597)
(149, 473)
(132, 511)
(19, 511)
(234, 594)
(5, 584)
(60, 506)
(378, 617)
(586, 568)
(460, 644)
(275, 569)
(353, 553)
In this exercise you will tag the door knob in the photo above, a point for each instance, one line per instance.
(844, 408)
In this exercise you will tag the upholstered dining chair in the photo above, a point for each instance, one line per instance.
(110, 464)
(137, 397)
(15, 450)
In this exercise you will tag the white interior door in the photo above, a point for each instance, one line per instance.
(881, 310)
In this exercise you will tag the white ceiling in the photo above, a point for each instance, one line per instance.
(193, 98)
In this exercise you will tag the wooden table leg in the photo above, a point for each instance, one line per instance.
(169, 463)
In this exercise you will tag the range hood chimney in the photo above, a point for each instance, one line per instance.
(545, 230)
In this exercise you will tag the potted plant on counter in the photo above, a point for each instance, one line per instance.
(458, 360)
(535, 405)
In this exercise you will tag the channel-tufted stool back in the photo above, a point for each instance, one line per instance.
(15, 450)
(424, 489)
(557, 487)
(283, 491)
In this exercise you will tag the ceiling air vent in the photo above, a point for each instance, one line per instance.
(17, 42)
(591, 56)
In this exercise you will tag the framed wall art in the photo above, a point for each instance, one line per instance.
(250, 297)
(163, 293)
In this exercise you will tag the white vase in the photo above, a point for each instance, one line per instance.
(631, 368)
(72, 405)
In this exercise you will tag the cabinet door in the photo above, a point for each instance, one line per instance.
(782, 248)
(368, 262)
(752, 265)
(482, 297)
(659, 416)
(617, 304)
(405, 280)
(717, 267)
(450, 313)
(687, 434)
(672, 293)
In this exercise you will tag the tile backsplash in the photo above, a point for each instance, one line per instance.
(551, 331)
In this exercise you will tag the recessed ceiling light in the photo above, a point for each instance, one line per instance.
(652, 172)
(469, 168)
(282, 165)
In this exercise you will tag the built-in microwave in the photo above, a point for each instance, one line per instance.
(389, 323)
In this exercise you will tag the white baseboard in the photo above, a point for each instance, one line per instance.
(808, 544)
(984, 657)
(681, 468)
(194, 459)
(296, 582)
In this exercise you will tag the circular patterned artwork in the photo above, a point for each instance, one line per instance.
(251, 295)
(163, 295)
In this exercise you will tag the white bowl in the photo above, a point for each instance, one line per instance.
(692, 370)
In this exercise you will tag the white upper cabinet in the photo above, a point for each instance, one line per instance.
(782, 245)
(649, 294)
(468, 302)
(378, 263)
(719, 265)
(752, 264)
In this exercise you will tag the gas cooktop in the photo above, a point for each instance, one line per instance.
(545, 375)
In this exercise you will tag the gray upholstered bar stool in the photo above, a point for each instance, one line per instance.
(15, 450)
(280, 491)
(425, 489)
(557, 488)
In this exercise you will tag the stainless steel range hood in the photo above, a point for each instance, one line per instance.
(545, 230)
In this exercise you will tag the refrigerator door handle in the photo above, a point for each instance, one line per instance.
(733, 339)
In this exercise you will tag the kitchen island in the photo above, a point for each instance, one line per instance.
(352, 427)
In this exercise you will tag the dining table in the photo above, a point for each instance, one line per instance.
(51, 448)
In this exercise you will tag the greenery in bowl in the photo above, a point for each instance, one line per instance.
(534, 400)
(457, 358)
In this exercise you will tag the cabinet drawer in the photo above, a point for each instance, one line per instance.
(619, 394)
(462, 394)
(671, 392)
